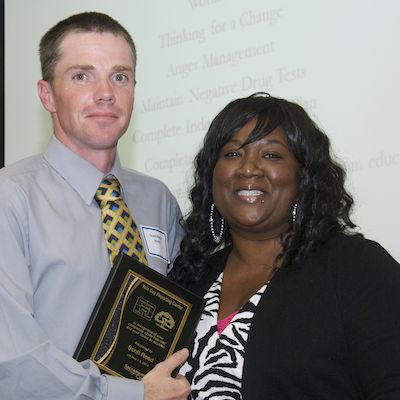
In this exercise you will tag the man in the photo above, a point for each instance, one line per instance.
(53, 256)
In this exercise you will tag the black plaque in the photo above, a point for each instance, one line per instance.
(140, 318)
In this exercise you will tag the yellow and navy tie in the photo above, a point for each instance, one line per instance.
(121, 232)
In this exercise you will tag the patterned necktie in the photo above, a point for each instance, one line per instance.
(122, 234)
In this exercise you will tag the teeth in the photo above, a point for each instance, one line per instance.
(250, 192)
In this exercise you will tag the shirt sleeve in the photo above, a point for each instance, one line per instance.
(31, 366)
(370, 297)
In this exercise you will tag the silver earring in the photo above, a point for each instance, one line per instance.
(294, 212)
(216, 238)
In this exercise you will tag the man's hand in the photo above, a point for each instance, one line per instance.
(158, 383)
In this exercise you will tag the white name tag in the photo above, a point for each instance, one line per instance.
(156, 242)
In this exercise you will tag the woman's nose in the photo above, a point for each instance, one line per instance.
(250, 166)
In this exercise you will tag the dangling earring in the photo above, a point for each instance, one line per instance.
(294, 212)
(216, 238)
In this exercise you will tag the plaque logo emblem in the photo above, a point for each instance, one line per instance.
(144, 308)
(164, 320)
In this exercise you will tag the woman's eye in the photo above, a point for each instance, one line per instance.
(272, 156)
(231, 154)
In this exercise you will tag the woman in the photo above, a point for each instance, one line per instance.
(298, 305)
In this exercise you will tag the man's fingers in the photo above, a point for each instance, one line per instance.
(179, 376)
(173, 361)
(158, 383)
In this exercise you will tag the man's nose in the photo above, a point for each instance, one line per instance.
(104, 91)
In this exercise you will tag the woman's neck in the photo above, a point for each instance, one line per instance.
(256, 253)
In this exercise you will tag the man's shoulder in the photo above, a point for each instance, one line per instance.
(133, 177)
(23, 170)
(149, 191)
(19, 179)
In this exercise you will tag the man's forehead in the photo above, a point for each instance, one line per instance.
(92, 43)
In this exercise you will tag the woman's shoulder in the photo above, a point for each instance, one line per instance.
(356, 246)
(355, 258)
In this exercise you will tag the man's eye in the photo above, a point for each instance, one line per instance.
(79, 77)
(121, 78)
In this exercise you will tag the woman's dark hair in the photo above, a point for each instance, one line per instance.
(323, 204)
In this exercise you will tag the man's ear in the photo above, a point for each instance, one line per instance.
(45, 92)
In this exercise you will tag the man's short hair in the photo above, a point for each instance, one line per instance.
(49, 48)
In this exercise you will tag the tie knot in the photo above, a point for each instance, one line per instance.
(108, 190)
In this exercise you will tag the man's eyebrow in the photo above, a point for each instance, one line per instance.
(85, 67)
(88, 67)
(119, 68)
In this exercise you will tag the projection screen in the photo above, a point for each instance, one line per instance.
(340, 60)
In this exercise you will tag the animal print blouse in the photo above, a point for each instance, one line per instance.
(215, 365)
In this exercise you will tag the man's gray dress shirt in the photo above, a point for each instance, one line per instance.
(53, 264)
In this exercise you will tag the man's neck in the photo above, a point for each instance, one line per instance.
(102, 159)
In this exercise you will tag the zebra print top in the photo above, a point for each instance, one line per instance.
(214, 367)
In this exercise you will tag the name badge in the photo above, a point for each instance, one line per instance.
(156, 242)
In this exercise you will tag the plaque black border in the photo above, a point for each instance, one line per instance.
(124, 266)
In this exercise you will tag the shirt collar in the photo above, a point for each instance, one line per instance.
(79, 173)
